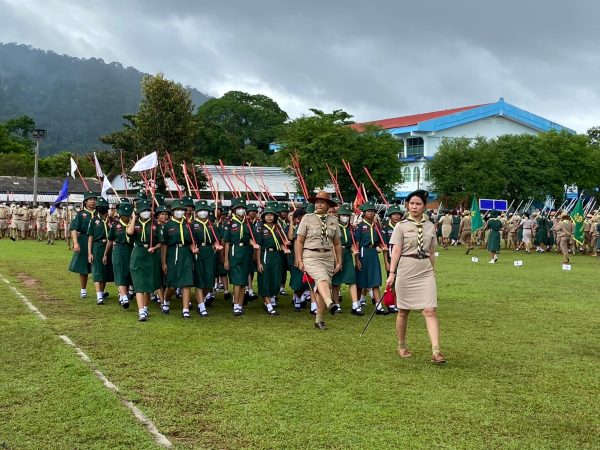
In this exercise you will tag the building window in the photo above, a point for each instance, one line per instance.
(416, 175)
(406, 175)
(415, 147)
(427, 173)
(401, 152)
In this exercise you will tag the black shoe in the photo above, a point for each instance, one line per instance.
(297, 308)
(320, 325)
(468, 250)
(227, 295)
(186, 315)
(392, 309)
(273, 312)
(333, 308)
(382, 312)
(105, 295)
(125, 305)
(252, 297)
(209, 300)
(165, 311)
(358, 312)
(313, 312)
(238, 312)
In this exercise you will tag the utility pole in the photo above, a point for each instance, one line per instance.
(37, 134)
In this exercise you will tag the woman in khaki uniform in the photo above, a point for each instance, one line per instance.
(446, 224)
(319, 252)
(411, 269)
(564, 233)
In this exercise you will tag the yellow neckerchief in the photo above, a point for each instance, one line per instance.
(144, 228)
(345, 228)
(105, 222)
(124, 226)
(241, 222)
(272, 230)
(180, 228)
(419, 225)
(371, 229)
(205, 231)
(91, 212)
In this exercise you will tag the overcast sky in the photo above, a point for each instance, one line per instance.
(375, 59)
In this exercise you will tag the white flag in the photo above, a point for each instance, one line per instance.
(73, 168)
(146, 163)
(105, 187)
(99, 172)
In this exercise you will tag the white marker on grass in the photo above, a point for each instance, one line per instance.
(566, 267)
(518, 263)
(474, 259)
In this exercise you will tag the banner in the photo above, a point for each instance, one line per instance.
(146, 163)
(476, 219)
(578, 217)
(62, 195)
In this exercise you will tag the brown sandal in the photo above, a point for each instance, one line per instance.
(404, 353)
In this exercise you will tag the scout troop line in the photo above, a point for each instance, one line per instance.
(152, 251)
(20, 221)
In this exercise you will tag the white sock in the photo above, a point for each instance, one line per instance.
(99, 295)
(371, 293)
(379, 307)
(125, 299)
(295, 298)
(236, 306)
(362, 298)
(145, 308)
(250, 291)
(273, 300)
(202, 307)
(166, 304)
(354, 305)
(142, 312)
(84, 291)
(313, 306)
(186, 310)
(269, 307)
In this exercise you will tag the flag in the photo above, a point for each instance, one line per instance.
(99, 172)
(105, 187)
(476, 220)
(146, 163)
(577, 216)
(62, 195)
(73, 168)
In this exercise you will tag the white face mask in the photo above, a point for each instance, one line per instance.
(240, 211)
(202, 214)
(178, 214)
(145, 215)
(344, 219)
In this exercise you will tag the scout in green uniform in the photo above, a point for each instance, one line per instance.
(97, 238)
(145, 236)
(541, 233)
(494, 224)
(176, 256)
(283, 221)
(268, 257)
(205, 258)
(368, 267)
(162, 214)
(300, 288)
(254, 221)
(394, 214)
(79, 228)
(222, 282)
(238, 240)
(121, 245)
(347, 274)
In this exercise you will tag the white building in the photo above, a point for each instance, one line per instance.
(422, 134)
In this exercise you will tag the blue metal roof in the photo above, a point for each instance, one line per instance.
(500, 108)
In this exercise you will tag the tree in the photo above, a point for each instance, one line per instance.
(15, 135)
(327, 138)
(228, 126)
(593, 135)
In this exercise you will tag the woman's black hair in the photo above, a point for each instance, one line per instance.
(418, 193)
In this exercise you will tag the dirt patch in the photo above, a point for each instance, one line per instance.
(27, 280)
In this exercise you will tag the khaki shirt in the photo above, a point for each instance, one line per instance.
(465, 224)
(564, 228)
(53, 218)
(311, 228)
(405, 235)
(3, 212)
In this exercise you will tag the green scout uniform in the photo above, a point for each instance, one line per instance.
(143, 264)
(205, 260)
(220, 230)
(254, 224)
(494, 225)
(347, 275)
(178, 239)
(98, 228)
(541, 234)
(121, 252)
(367, 239)
(238, 235)
(270, 253)
(284, 228)
(80, 223)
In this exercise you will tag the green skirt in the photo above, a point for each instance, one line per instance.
(121, 257)
(296, 282)
(239, 264)
(370, 275)
(180, 269)
(269, 280)
(79, 261)
(493, 243)
(220, 268)
(143, 272)
(204, 268)
(348, 274)
(101, 272)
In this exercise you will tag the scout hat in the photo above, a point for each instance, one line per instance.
(187, 201)
(322, 195)
(344, 210)
(269, 210)
(160, 198)
(494, 213)
(125, 200)
(368, 206)
(564, 214)
(90, 194)
(101, 201)
(238, 203)
(394, 209)
(177, 204)
(466, 213)
(202, 205)
(252, 207)
(143, 205)
(124, 209)
(161, 209)
(141, 195)
(284, 207)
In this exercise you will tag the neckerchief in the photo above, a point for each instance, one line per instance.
(323, 218)
(272, 230)
(241, 222)
(371, 230)
(205, 232)
(124, 226)
(419, 225)
(180, 228)
(105, 222)
(345, 228)
(144, 229)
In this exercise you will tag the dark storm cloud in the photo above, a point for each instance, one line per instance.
(374, 59)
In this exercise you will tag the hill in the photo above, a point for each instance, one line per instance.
(77, 100)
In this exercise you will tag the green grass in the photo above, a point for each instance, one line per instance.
(523, 370)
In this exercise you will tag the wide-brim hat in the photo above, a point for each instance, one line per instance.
(143, 205)
(124, 209)
(466, 213)
(160, 198)
(90, 194)
(368, 206)
(162, 209)
(284, 207)
(344, 210)
(564, 214)
(394, 209)
(252, 207)
(269, 210)
(322, 195)
(238, 203)
(177, 204)
(202, 205)
(141, 195)
(101, 201)
(187, 201)
(494, 213)
(125, 200)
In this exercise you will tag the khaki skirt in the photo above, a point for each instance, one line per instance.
(415, 284)
(318, 265)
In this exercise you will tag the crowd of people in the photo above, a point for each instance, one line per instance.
(20, 221)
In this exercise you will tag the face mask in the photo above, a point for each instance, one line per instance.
(344, 219)
(202, 214)
(70, 207)
(145, 215)
(178, 214)
(240, 211)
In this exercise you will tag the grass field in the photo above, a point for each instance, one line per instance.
(523, 347)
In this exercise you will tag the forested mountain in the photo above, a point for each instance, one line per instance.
(77, 100)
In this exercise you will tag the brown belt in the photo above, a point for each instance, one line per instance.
(320, 250)
(414, 256)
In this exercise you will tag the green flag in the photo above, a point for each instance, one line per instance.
(476, 220)
(578, 219)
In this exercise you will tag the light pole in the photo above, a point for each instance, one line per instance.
(37, 134)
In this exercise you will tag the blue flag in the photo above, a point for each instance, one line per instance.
(62, 196)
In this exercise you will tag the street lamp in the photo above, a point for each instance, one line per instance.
(37, 134)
